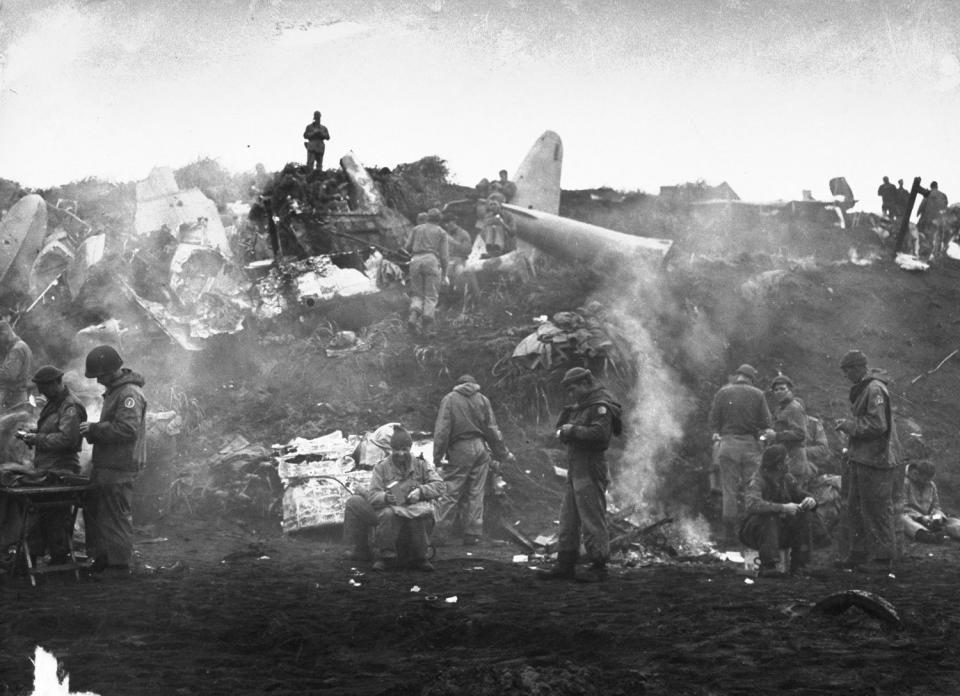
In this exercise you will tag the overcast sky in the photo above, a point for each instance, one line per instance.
(769, 95)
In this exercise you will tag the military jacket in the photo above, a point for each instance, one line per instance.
(58, 438)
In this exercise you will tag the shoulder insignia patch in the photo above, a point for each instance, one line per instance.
(70, 411)
(602, 410)
(129, 402)
(879, 400)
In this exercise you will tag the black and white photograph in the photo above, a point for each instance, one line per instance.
(479, 347)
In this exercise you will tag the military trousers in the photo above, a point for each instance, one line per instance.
(315, 156)
(108, 519)
(393, 535)
(870, 515)
(465, 474)
(583, 512)
(424, 286)
(738, 459)
(768, 533)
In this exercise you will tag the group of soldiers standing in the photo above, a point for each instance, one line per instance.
(410, 507)
(934, 229)
(118, 440)
(765, 473)
(439, 247)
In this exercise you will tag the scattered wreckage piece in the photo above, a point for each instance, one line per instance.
(65, 233)
(310, 281)
(22, 232)
(211, 297)
(909, 262)
(518, 537)
(872, 604)
(585, 334)
(89, 253)
(165, 321)
(319, 475)
(622, 542)
(394, 226)
(161, 203)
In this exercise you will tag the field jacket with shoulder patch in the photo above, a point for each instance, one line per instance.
(58, 440)
(595, 419)
(119, 439)
(872, 422)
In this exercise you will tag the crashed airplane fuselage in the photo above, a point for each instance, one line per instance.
(539, 228)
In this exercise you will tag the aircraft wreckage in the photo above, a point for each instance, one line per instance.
(310, 239)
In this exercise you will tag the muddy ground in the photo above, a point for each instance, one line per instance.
(222, 602)
(286, 615)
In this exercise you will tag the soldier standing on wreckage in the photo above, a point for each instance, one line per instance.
(465, 427)
(429, 249)
(739, 418)
(929, 225)
(314, 135)
(119, 452)
(871, 468)
(585, 428)
(14, 367)
(888, 197)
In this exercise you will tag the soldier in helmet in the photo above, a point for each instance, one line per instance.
(119, 449)
(56, 441)
(585, 428)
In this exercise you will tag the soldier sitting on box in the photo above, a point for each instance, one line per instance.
(777, 515)
(399, 502)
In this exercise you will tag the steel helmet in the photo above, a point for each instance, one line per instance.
(102, 360)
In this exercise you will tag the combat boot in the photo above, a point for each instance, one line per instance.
(769, 570)
(564, 569)
(597, 572)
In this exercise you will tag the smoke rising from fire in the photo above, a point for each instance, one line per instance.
(654, 421)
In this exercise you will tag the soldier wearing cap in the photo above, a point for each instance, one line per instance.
(739, 418)
(119, 452)
(777, 516)
(871, 472)
(585, 428)
(429, 249)
(790, 424)
(465, 431)
(400, 501)
(15, 367)
(56, 442)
